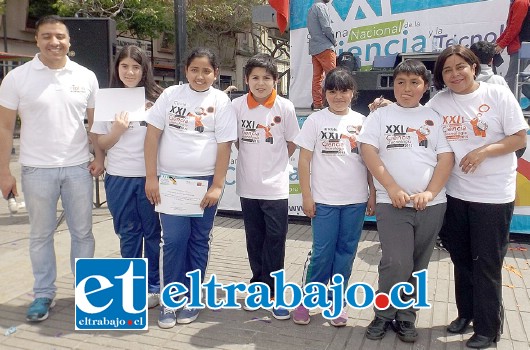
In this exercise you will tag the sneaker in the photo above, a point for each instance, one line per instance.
(405, 330)
(280, 313)
(39, 309)
(167, 317)
(377, 328)
(187, 315)
(153, 299)
(341, 320)
(301, 315)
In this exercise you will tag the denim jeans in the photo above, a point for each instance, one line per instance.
(336, 233)
(42, 189)
(185, 244)
(136, 223)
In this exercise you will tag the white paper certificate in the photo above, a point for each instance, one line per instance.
(181, 196)
(110, 102)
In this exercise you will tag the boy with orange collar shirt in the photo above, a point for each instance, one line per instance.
(267, 125)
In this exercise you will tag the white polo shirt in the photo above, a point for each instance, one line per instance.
(52, 106)
(263, 131)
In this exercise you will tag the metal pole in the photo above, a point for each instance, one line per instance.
(180, 40)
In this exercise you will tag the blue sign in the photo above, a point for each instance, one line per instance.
(111, 294)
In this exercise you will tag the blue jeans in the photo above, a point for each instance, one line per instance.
(42, 189)
(185, 243)
(336, 233)
(136, 223)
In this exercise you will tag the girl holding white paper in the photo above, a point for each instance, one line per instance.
(190, 131)
(135, 221)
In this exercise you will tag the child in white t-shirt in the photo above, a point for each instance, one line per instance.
(190, 131)
(335, 186)
(404, 147)
(267, 126)
(135, 221)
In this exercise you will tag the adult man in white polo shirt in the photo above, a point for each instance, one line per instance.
(52, 95)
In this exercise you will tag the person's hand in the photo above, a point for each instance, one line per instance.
(230, 89)
(421, 199)
(398, 197)
(8, 184)
(379, 102)
(472, 160)
(121, 123)
(308, 206)
(96, 167)
(211, 197)
(370, 206)
(151, 190)
(498, 49)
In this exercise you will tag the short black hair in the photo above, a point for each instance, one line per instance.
(203, 52)
(484, 51)
(50, 19)
(415, 67)
(262, 60)
(340, 79)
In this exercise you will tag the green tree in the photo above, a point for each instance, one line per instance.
(143, 18)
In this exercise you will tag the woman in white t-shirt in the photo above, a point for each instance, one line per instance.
(335, 188)
(135, 221)
(484, 125)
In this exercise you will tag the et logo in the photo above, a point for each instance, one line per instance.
(111, 294)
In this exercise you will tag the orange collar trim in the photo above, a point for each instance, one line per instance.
(252, 103)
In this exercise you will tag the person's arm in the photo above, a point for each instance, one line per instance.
(517, 14)
(377, 168)
(370, 206)
(439, 178)
(8, 183)
(97, 166)
(219, 176)
(120, 126)
(291, 147)
(509, 144)
(152, 138)
(304, 176)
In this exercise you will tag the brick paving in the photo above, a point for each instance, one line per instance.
(239, 329)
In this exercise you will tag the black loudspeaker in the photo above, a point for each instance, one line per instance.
(374, 84)
(93, 42)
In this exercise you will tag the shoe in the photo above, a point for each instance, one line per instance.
(153, 299)
(377, 328)
(39, 309)
(405, 330)
(301, 315)
(459, 325)
(341, 320)
(187, 315)
(280, 313)
(166, 318)
(478, 341)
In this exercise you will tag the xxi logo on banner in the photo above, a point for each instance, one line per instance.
(111, 294)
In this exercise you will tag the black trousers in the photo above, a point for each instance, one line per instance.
(266, 231)
(476, 236)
